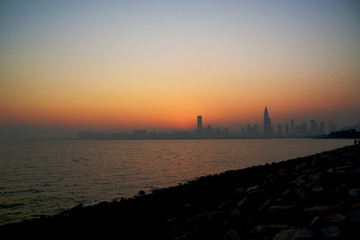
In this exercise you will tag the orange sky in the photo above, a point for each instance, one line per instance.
(131, 65)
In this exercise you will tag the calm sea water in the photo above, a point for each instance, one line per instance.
(47, 177)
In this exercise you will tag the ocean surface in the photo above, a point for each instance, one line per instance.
(49, 176)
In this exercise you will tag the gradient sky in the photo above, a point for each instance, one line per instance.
(159, 64)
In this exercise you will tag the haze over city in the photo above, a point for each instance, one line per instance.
(67, 66)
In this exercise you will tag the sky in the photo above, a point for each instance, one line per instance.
(159, 64)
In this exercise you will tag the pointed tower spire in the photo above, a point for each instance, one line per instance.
(267, 124)
(266, 114)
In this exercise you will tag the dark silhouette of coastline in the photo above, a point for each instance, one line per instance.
(314, 197)
(351, 133)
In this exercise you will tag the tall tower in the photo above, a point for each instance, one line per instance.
(199, 125)
(268, 131)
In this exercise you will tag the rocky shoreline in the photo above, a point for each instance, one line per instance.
(314, 197)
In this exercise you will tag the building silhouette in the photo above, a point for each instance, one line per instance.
(268, 130)
(292, 127)
(332, 127)
(304, 129)
(251, 131)
(287, 130)
(280, 131)
(313, 127)
(199, 126)
(322, 128)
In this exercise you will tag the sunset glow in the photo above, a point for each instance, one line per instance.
(159, 64)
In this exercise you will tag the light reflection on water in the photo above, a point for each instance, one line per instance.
(50, 176)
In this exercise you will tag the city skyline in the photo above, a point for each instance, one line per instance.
(209, 132)
(292, 128)
(124, 65)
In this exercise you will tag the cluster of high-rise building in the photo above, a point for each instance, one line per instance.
(209, 131)
(250, 131)
(292, 130)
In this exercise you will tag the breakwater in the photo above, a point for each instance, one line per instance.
(314, 197)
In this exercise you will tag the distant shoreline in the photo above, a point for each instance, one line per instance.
(228, 138)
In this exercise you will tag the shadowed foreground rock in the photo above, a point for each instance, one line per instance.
(315, 197)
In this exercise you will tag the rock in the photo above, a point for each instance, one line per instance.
(285, 234)
(235, 212)
(256, 187)
(190, 222)
(264, 206)
(281, 214)
(304, 234)
(300, 182)
(282, 178)
(350, 163)
(171, 221)
(332, 232)
(240, 190)
(226, 204)
(207, 216)
(277, 226)
(283, 171)
(317, 189)
(257, 194)
(356, 206)
(242, 202)
(354, 193)
(265, 231)
(314, 220)
(259, 230)
(311, 184)
(287, 193)
(262, 229)
(177, 231)
(335, 218)
(279, 209)
(316, 176)
(301, 166)
(354, 217)
(343, 168)
(294, 234)
(305, 200)
(318, 210)
(231, 235)
(340, 172)
(342, 187)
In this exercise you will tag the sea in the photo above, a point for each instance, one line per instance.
(49, 176)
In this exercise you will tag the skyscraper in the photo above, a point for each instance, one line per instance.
(268, 131)
(199, 125)
(313, 127)
(287, 130)
(322, 128)
(279, 131)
